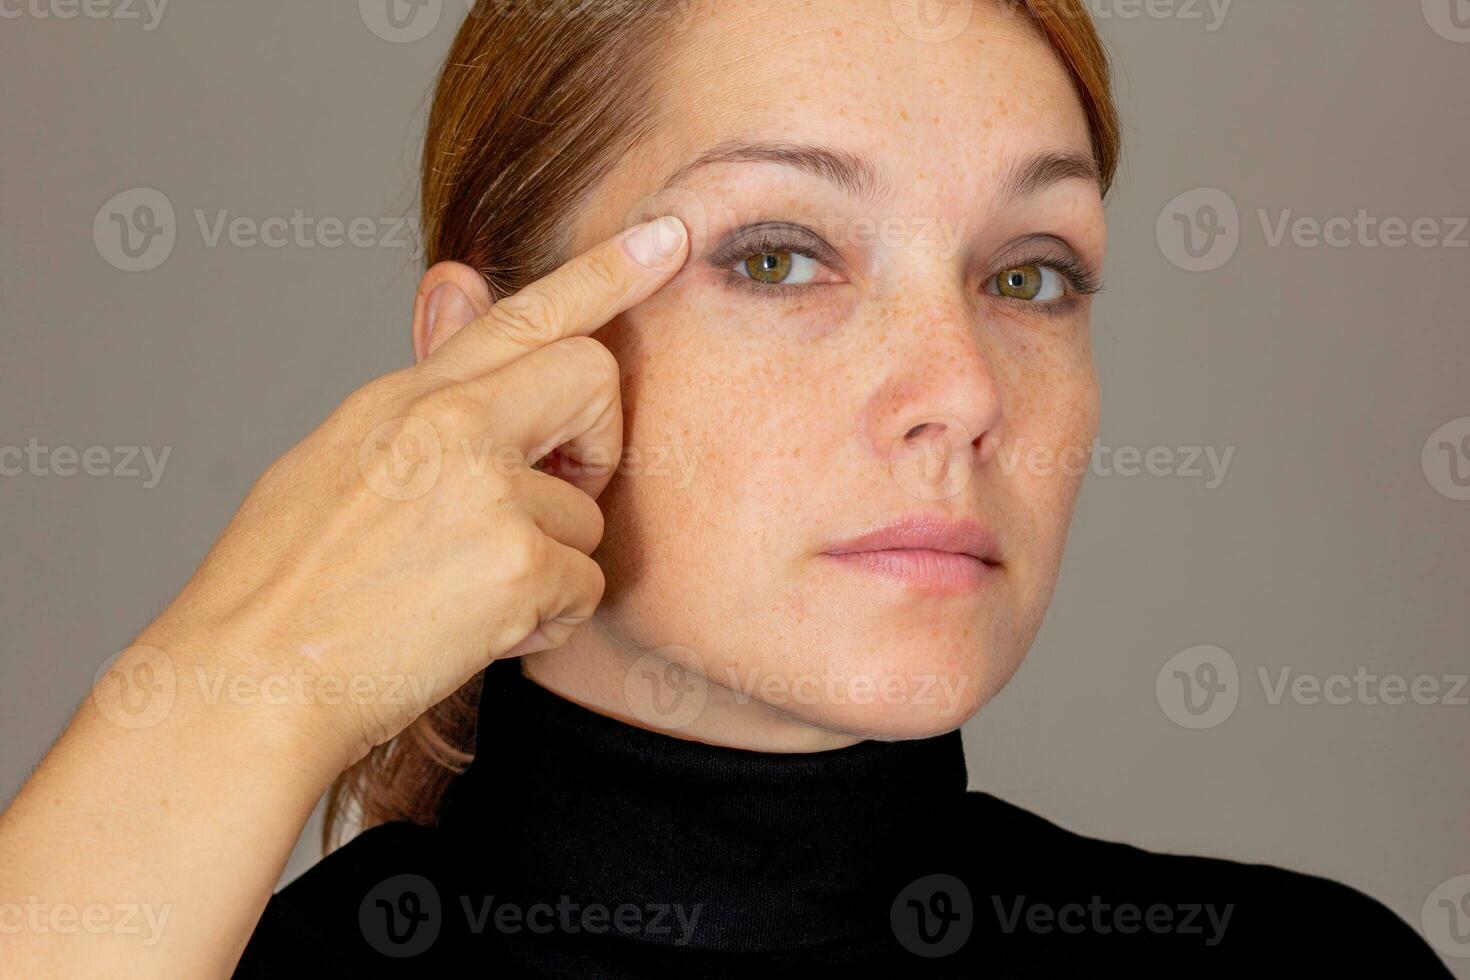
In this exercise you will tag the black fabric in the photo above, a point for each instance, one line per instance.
(578, 846)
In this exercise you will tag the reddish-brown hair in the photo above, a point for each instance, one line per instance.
(536, 102)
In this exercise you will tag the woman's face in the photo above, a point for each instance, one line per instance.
(883, 318)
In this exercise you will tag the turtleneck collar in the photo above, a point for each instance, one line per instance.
(768, 850)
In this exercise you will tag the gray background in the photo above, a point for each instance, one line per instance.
(1330, 545)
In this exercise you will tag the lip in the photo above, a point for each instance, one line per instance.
(929, 553)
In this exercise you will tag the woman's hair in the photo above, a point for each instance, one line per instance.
(537, 100)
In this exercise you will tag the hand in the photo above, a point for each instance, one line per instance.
(410, 540)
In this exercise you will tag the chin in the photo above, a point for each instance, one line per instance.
(906, 692)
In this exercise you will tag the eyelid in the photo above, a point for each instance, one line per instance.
(1053, 252)
(776, 236)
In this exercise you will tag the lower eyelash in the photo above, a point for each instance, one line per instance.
(776, 290)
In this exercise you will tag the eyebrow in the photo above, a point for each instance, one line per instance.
(862, 178)
(853, 172)
(1041, 170)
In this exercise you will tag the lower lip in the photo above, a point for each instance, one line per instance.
(921, 568)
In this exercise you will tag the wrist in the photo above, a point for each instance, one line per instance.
(243, 705)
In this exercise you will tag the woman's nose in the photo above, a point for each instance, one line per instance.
(936, 415)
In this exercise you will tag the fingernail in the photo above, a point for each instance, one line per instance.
(654, 244)
(445, 311)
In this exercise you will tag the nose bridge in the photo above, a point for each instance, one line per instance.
(942, 383)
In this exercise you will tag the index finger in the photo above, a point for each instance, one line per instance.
(578, 298)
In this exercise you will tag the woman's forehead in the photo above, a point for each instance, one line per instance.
(845, 74)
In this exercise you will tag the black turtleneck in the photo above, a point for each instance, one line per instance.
(578, 846)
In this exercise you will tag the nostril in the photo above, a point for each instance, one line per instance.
(916, 430)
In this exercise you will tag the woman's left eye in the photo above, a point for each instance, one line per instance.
(779, 268)
(1029, 283)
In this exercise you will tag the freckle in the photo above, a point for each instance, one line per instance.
(903, 114)
(797, 453)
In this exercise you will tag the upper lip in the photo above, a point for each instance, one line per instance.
(923, 531)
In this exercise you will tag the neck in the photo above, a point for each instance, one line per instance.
(661, 691)
(746, 849)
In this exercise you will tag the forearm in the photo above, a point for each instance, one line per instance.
(151, 850)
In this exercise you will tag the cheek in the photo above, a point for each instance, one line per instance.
(731, 412)
(1052, 421)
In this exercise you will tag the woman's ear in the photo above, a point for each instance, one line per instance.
(451, 296)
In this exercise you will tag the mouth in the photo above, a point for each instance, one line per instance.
(925, 553)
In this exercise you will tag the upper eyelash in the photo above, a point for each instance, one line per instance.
(764, 238)
(1081, 279)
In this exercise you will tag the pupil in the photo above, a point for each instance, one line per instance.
(1017, 280)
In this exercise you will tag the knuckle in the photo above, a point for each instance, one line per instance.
(521, 555)
(362, 403)
(525, 316)
(375, 403)
(594, 586)
(447, 410)
(596, 522)
(597, 582)
(598, 276)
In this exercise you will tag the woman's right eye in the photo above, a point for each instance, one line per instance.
(779, 268)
